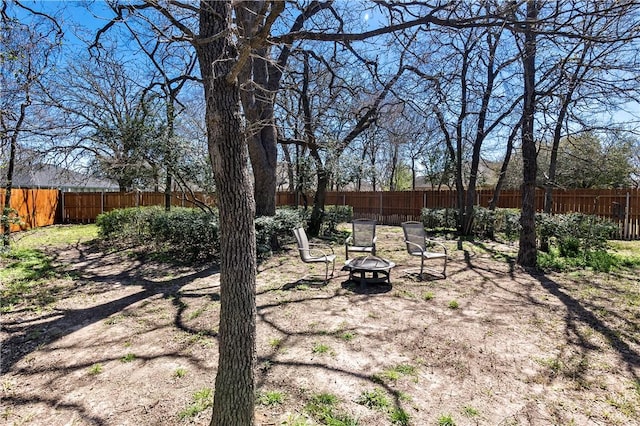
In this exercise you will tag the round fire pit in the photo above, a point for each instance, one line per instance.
(378, 269)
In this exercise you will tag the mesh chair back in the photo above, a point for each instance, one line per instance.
(364, 231)
(303, 243)
(414, 233)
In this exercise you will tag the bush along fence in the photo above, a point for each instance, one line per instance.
(621, 206)
(193, 234)
(39, 207)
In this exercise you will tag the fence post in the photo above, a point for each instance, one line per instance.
(626, 219)
(62, 199)
(101, 202)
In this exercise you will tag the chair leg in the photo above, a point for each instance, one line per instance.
(326, 270)
(421, 267)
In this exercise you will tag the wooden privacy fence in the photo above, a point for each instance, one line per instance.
(41, 207)
(392, 208)
(84, 207)
(35, 207)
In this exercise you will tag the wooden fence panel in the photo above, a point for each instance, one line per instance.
(81, 207)
(84, 207)
(36, 207)
(620, 205)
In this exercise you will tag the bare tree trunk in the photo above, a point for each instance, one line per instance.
(481, 132)
(317, 214)
(13, 145)
(6, 213)
(527, 251)
(394, 166)
(235, 380)
(290, 169)
(455, 155)
(567, 98)
(413, 173)
(503, 169)
(257, 102)
(258, 97)
(169, 154)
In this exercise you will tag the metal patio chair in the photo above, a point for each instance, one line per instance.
(362, 238)
(418, 244)
(315, 252)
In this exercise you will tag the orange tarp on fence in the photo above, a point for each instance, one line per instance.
(36, 207)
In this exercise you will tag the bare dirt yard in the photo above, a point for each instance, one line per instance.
(126, 341)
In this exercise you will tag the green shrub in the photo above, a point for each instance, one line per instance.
(333, 215)
(439, 218)
(192, 234)
(507, 222)
(9, 217)
(575, 233)
(125, 224)
(601, 261)
(273, 231)
(188, 233)
(486, 222)
(569, 246)
(598, 260)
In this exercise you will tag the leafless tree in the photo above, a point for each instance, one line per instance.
(26, 52)
(588, 76)
(108, 116)
(325, 135)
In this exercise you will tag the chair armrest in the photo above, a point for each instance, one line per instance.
(437, 243)
(320, 248)
(414, 244)
(349, 240)
(374, 240)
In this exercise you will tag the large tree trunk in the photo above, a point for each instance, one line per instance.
(263, 154)
(527, 252)
(317, 214)
(257, 103)
(235, 381)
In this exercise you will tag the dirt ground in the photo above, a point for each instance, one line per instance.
(129, 342)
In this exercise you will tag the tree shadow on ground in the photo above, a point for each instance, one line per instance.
(28, 335)
(80, 410)
(269, 360)
(578, 313)
(303, 283)
(357, 287)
